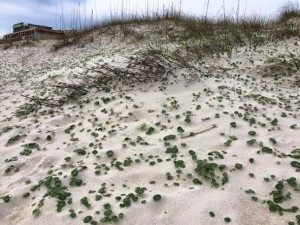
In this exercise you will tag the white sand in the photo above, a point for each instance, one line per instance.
(187, 203)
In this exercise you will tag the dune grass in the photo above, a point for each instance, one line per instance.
(217, 35)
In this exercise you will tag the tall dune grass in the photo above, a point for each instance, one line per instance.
(229, 29)
(220, 34)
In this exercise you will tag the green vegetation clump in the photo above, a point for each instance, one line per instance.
(179, 164)
(228, 143)
(110, 153)
(109, 215)
(11, 169)
(274, 122)
(14, 139)
(238, 166)
(273, 207)
(227, 219)
(295, 154)
(180, 129)
(85, 201)
(197, 181)
(5, 129)
(157, 197)
(187, 119)
(273, 141)
(150, 130)
(292, 181)
(209, 171)
(293, 126)
(298, 219)
(74, 181)
(87, 219)
(169, 137)
(56, 189)
(295, 164)
(233, 124)
(251, 142)
(28, 148)
(140, 190)
(169, 176)
(252, 133)
(130, 198)
(5, 198)
(80, 151)
(69, 129)
(49, 138)
(26, 195)
(279, 196)
(172, 150)
(266, 150)
(27, 108)
(72, 215)
(26, 152)
(31, 145)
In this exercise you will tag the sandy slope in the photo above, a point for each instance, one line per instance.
(219, 97)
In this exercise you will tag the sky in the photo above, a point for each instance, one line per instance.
(63, 14)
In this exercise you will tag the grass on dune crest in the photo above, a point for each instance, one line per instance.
(217, 35)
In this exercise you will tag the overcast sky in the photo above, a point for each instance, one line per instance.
(49, 12)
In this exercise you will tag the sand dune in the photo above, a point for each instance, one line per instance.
(106, 144)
